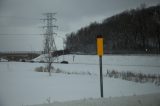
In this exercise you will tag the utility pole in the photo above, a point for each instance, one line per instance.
(49, 35)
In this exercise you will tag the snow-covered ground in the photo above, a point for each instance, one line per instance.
(3, 60)
(140, 100)
(90, 63)
(21, 85)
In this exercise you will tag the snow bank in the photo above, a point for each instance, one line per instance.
(3, 60)
(143, 100)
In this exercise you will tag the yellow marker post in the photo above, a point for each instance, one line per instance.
(99, 45)
(100, 53)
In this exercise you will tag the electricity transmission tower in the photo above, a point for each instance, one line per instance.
(49, 43)
(49, 35)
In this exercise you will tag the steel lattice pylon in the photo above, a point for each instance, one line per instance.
(49, 41)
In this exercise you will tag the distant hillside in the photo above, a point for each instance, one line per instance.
(132, 31)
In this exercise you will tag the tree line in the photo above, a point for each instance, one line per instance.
(132, 31)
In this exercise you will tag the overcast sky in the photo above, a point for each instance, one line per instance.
(21, 17)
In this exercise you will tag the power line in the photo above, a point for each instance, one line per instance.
(19, 17)
(20, 34)
(27, 35)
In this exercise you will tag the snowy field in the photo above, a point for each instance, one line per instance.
(139, 63)
(21, 85)
(140, 100)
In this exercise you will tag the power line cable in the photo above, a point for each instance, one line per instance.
(18, 17)
(19, 34)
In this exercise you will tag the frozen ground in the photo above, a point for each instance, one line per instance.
(21, 85)
(142, 100)
(90, 63)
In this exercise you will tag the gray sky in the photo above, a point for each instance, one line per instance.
(23, 17)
